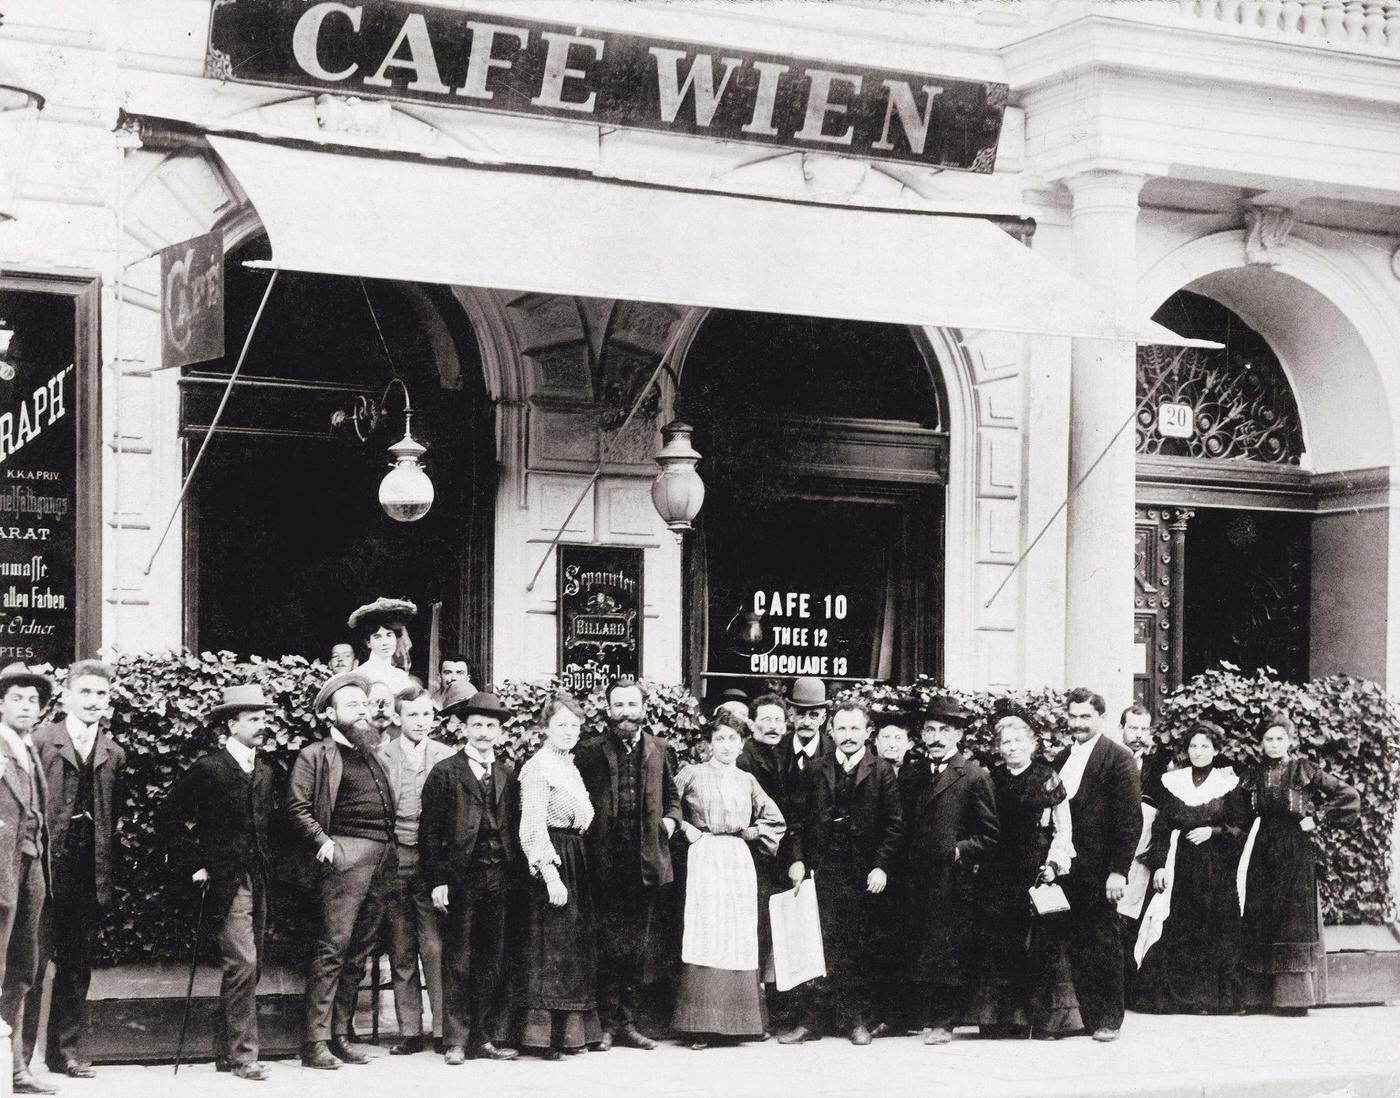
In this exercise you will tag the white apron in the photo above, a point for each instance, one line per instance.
(721, 905)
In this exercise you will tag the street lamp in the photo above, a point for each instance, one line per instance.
(19, 118)
(677, 492)
(406, 493)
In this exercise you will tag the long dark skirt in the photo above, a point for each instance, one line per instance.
(1284, 955)
(1194, 968)
(561, 962)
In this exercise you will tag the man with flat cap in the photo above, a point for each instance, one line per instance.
(24, 864)
(229, 795)
(469, 840)
(341, 813)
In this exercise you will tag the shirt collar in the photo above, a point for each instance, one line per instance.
(244, 756)
(18, 744)
(82, 735)
(1077, 748)
(416, 752)
(809, 748)
(850, 762)
(483, 760)
(335, 735)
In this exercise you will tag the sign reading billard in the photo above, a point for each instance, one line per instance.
(600, 615)
(451, 57)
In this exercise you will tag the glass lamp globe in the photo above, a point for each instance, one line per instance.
(406, 493)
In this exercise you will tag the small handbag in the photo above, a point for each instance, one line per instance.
(1048, 899)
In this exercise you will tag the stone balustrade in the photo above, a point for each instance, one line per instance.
(1364, 25)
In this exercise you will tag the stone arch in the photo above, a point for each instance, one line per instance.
(1349, 329)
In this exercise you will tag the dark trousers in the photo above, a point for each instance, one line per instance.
(22, 954)
(351, 895)
(67, 933)
(1128, 932)
(411, 926)
(849, 914)
(947, 1005)
(1095, 955)
(626, 918)
(474, 958)
(240, 939)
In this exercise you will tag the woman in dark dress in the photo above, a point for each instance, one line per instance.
(561, 963)
(1188, 950)
(1024, 987)
(1286, 799)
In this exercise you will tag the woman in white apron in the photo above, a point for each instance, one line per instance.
(725, 809)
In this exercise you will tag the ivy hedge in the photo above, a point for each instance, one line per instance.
(160, 702)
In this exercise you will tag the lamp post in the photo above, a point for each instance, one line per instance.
(19, 118)
(677, 492)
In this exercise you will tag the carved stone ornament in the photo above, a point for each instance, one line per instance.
(1267, 229)
(351, 115)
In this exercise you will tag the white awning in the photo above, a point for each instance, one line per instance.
(449, 222)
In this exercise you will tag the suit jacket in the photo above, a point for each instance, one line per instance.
(598, 762)
(391, 757)
(59, 761)
(14, 774)
(876, 818)
(310, 800)
(1106, 814)
(453, 806)
(954, 813)
(10, 809)
(232, 814)
(775, 769)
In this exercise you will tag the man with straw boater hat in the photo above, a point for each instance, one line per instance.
(340, 810)
(24, 856)
(229, 795)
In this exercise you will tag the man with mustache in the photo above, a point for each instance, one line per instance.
(630, 776)
(228, 794)
(340, 810)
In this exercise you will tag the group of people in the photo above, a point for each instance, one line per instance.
(529, 902)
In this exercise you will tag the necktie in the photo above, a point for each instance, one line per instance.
(486, 784)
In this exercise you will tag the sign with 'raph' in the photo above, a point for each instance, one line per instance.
(600, 614)
(192, 301)
(453, 57)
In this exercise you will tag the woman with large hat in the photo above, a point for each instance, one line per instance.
(382, 627)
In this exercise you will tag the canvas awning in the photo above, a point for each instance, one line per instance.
(419, 220)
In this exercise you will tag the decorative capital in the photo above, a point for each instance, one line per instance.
(1267, 229)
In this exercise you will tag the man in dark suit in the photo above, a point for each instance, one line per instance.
(1104, 801)
(849, 840)
(808, 741)
(898, 997)
(340, 811)
(83, 770)
(469, 840)
(631, 780)
(1135, 725)
(952, 824)
(23, 696)
(229, 796)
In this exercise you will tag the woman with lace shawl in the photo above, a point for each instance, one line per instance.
(1024, 988)
(724, 809)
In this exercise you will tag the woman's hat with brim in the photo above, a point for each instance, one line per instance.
(18, 674)
(945, 710)
(382, 611)
(808, 693)
(482, 703)
(336, 682)
(239, 699)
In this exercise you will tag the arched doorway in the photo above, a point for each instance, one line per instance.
(1225, 505)
(284, 535)
(826, 456)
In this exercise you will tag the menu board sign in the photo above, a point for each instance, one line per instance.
(809, 633)
(600, 614)
(38, 486)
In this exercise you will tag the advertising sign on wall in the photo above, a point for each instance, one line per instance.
(600, 614)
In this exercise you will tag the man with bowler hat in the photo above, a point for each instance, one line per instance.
(808, 741)
(229, 795)
(470, 842)
(23, 696)
(83, 770)
(630, 776)
(340, 811)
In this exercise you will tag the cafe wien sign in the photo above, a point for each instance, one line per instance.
(451, 57)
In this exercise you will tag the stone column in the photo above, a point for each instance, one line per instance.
(1099, 520)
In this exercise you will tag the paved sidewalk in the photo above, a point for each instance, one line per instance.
(1353, 1051)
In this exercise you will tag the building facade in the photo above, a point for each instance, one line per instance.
(999, 495)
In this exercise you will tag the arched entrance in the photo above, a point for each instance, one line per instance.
(284, 534)
(826, 460)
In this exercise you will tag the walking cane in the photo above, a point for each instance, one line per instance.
(194, 962)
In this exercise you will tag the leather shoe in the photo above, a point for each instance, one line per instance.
(554, 1055)
(487, 1051)
(252, 1070)
(938, 1036)
(796, 1036)
(25, 1083)
(347, 1053)
(605, 1042)
(1105, 1034)
(409, 1046)
(439, 1046)
(316, 1054)
(76, 1069)
(454, 1055)
(860, 1036)
(631, 1037)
